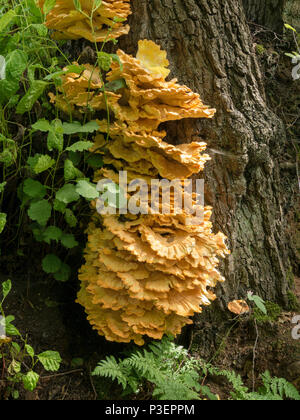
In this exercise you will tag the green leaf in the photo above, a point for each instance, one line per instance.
(30, 381)
(34, 189)
(2, 186)
(70, 218)
(70, 69)
(42, 125)
(48, 6)
(259, 302)
(115, 85)
(68, 240)
(52, 233)
(50, 360)
(16, 348)
(29, 350)
(15, 367)
(63, 274)
(3, 218)
(16, 63)
(77, 5)
(59, 206)
(51, 264)
(67, 194)
(35, 90)
(290, 27)
(41, 30)
(40, 212)
(104, 60)
(95, 161)
(75, 127)
(80, 146)
(6, 288)
(10, 329)
(87, 190)
(97, 4)
(7, 19)
(55, 138)
(70, 172)
(43, 163)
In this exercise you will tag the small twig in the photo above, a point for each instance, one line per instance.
(254, 355)
(64, 396)
(62, 374)
(92, 383)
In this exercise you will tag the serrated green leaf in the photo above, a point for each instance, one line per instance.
(63, 274)
(34, 189)
(52, 233)
(40, 212)
(104, 60)
(30, 381)
(68, 240)
(16, 63)
(41, 30)
(80, 146)
(67, 194)
(70, 172)
(7, 19)
(50, 360)
(87, 190)
(70, 218)
(51, 264)
(55, 138)
(42, 125)
(59, 206)
(42, 163)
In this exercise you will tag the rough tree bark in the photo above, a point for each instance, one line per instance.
(210, 49)
(267, 13)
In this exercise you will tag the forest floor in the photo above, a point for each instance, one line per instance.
(46, 311)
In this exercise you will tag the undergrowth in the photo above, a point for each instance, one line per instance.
(175, 375)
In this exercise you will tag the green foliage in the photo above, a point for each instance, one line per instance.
(258, 301)
(175, 375)
(19, 356)
(273, 313)
(166, 366)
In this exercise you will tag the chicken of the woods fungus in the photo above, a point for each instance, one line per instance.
(145, 275)
(97, 24)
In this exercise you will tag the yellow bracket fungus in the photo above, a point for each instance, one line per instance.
(71, 23)
(145, 275)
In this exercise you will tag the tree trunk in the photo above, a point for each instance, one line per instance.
(209, 48)
(268, 13)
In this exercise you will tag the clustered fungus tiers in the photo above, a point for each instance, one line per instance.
(146, 274)
(71, 23)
